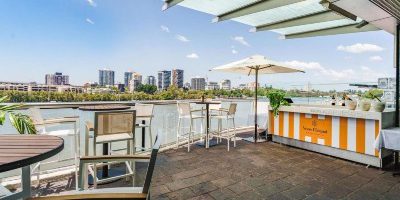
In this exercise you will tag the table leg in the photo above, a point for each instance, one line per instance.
(207, 125)
(26, 182)
(143, 135)
(396, 164)
(105, 167)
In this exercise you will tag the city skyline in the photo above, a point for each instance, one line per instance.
(103, 36)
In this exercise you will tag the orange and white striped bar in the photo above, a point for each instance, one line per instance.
(343, 129)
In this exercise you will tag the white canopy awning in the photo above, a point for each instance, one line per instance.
(295, 18)
(248, 66)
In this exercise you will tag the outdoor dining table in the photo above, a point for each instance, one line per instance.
(390, 139)
(20, 151)
(207, 103)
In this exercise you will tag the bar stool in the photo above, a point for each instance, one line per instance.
(112, 126)
(185, 113)
(228, 115)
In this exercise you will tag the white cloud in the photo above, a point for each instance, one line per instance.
(360, 48)
(182, 38)
(318, 70)
(192, 56)
(241, 40)
(368, 74)
(89, 21)
(92, 3)
(164, 28)
(234, 51)
(375, 58)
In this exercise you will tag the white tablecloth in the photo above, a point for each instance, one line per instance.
(388, 139)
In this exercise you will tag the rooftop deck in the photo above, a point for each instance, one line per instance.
(256, 171)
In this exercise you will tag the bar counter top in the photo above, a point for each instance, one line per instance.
(339, 111)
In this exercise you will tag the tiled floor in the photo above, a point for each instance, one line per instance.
(259, 171)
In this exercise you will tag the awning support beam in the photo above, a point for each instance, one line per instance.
(170, 3)
(323, 16)
(255, 7)
(350, 28)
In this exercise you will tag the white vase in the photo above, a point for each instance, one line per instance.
(365, 105)
(379, 106)
(351, 105)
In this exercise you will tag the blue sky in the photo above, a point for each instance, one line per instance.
(78, 37)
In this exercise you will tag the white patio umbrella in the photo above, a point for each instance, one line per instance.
(255, 65)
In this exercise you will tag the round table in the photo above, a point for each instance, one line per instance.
(20, 151)
(207, 103)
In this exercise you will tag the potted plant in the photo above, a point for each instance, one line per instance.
(23, 123)
(276, 100)
(374, 95)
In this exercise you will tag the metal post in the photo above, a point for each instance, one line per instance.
(26, 181)
(397, 56)
(255, 107)
(143, 135)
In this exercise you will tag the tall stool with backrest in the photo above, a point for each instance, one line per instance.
(42, 124)
(144, 113)
(112, 193)
(228, 115)
(113, 126)
(186, 113)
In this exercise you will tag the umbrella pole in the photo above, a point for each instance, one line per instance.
(255, 108)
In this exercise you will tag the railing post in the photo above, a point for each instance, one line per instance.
(397, 65)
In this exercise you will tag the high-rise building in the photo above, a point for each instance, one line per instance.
(57, 79)
(137, 77)
(127, 78)
(164, 80)
(135, 81)
(212, 86)
(150, 80)
(106, 77)
(177, 78)
(198, 83)
(225, 84)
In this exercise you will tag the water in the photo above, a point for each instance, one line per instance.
(164, 125)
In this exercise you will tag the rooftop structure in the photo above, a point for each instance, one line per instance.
(302, 18)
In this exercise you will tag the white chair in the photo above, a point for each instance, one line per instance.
(41, 124)
(112, 126)
(186, 113)
(228, 115)
(144, 113)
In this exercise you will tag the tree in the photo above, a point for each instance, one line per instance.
(146, 88)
